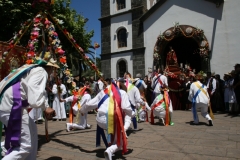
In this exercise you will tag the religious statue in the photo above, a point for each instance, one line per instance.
(171, 57)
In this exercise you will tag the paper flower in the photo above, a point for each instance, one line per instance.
(63, 60)
(29, 61)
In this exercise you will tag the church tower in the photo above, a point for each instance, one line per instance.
(122, 37)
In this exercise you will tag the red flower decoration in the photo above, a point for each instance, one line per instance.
(81, 49)
(29, 61)
(63, 60)
(30, 53)
(37, 19)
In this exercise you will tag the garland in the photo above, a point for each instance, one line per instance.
(69, 36)
(16, 39)
(204, 47)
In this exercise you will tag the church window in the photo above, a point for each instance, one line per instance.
(122, 38)
(121, 4)
(122, 68)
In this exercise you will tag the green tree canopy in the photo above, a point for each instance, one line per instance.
(15, 12)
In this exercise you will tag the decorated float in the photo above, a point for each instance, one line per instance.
(178, 66)
(43, 42)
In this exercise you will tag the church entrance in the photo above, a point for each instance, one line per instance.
(186, 52)
(181, 50)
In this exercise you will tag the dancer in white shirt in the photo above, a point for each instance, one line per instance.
(159, 82)
(28, 90)
(80, 101)
(198, 95)
(109, 120)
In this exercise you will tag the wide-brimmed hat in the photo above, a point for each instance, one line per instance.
(228, 74)
(237, 65)
(135, 80)
(213, 74)
(138, 75)
(122, 80)
(52, 63)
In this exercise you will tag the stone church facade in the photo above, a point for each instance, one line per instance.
(130, 31)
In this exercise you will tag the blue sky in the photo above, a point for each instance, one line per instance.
(90, 9)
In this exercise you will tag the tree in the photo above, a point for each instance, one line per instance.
(15, 12)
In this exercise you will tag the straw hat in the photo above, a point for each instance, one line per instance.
(228, 74)
(52, 63)
(135, 80)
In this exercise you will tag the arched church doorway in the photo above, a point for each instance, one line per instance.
(186, 52)
(190, 45)
(121, 67)
(180, 50)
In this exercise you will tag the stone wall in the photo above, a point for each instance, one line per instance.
(138, 9)
(138, 62)
(106, 35)
(106, 67)
(105, 8)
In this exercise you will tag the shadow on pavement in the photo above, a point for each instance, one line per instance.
(129, 132)
(199, 124)
(76, 132)
(99, 152)
(54, 158)
(42, 138)
(232, 115)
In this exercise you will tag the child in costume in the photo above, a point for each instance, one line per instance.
(78, 100)
(112, 104)
(59, 90)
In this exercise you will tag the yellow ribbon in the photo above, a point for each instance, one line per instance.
(209, 103)
(111, 113)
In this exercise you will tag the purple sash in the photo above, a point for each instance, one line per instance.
(13, 131)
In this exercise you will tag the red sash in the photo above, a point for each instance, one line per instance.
(81, 92)
(156, 105)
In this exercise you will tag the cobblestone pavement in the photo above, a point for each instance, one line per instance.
(181, 141)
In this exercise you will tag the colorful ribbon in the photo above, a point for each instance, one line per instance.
(100, 131)
(155, 106)
(13, 132)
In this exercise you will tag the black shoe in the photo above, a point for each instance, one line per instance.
(210, 123)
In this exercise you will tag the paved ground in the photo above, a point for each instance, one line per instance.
(181, 141)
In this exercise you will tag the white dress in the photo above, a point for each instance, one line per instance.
(36, 114)
(57, 105)
(32, 87)
(229, 94)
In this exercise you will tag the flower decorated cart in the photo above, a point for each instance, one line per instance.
(44, 44)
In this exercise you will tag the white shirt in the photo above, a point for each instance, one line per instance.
(85, 98)
(134, 95)
(55, 90)
(156, 85)
(201, 98)
(141, 85)
(100, 85)
(103, 109)
(32, 86)
(161, 107)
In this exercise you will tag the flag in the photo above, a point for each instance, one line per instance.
(96, 45)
